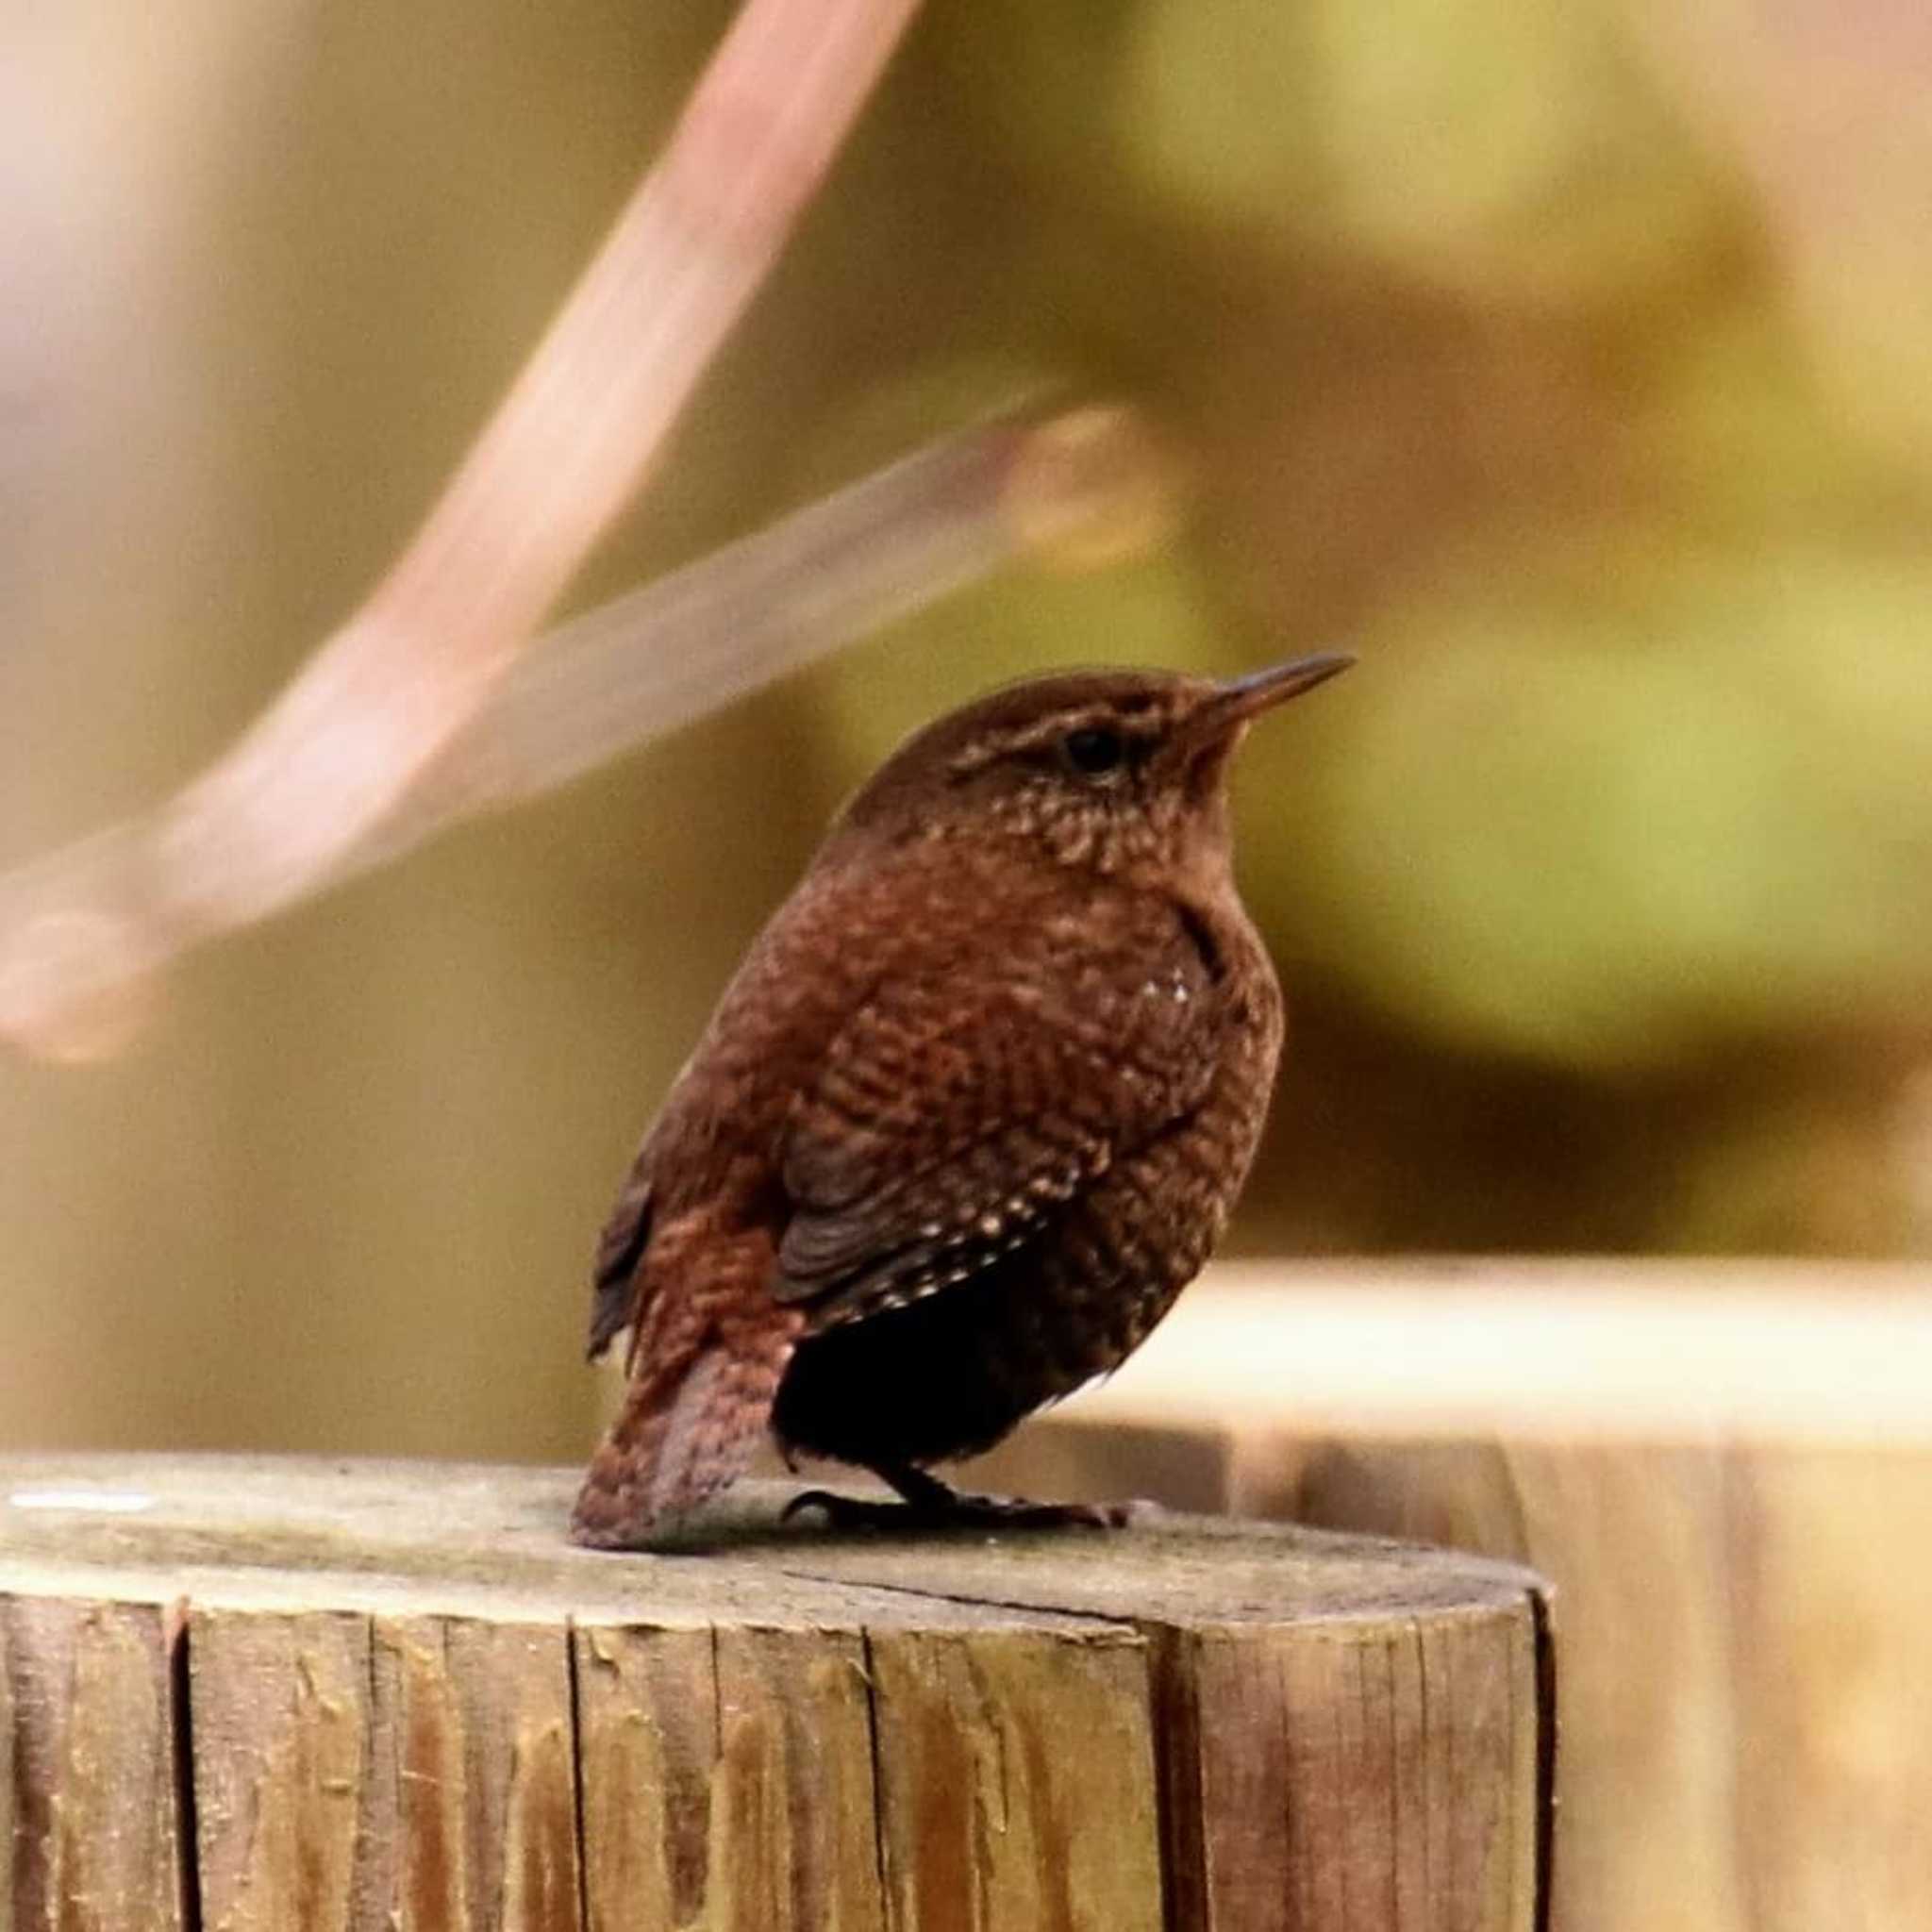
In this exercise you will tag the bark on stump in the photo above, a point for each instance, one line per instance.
(264, 1695)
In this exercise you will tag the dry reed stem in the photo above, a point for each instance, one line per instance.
(377, 702)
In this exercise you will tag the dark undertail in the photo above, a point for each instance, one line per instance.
(951, 1376)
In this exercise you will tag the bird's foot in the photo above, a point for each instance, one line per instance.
(929, 1504)
(1016, 1512)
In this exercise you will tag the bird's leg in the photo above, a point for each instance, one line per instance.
(931, 1504)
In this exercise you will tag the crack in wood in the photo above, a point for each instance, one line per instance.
(182, 1746)
(889, 1911)
(1546, 1747)
(574, 1678)
(1101, 1622)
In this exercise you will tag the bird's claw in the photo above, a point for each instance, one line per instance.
(1015, 1512)
(957, 1512)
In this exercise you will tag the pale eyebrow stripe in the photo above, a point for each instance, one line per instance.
(1142, 730)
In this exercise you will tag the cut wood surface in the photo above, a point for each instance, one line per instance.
(1733, 1524)
(269, 1694)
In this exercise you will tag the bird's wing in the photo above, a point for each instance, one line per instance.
(620, 1248)
(955, 1112)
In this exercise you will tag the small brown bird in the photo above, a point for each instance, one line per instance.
(969, 1116)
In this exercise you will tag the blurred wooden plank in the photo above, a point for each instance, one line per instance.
(407, 1702)
(1832, 1599)
(1732, 1527)
(1569, 1350)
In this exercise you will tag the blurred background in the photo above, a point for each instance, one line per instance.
(1567, 362)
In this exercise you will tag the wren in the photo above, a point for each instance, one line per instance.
(971, 1114)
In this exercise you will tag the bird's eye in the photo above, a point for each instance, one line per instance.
(1093, 751)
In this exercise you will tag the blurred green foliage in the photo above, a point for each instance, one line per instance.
(1510, 149)
(1566, 361)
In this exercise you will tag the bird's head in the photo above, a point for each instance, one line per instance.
(1121, 772)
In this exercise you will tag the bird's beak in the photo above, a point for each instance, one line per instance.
(1207, 738)
(1214, 729)
(1242, 698)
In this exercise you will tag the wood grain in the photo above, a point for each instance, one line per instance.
(366, 1696)
(88, 1786)
(1017, 1781)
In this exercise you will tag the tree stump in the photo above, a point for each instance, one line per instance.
(269, 1696)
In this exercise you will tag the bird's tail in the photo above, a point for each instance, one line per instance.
(690, 1422)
